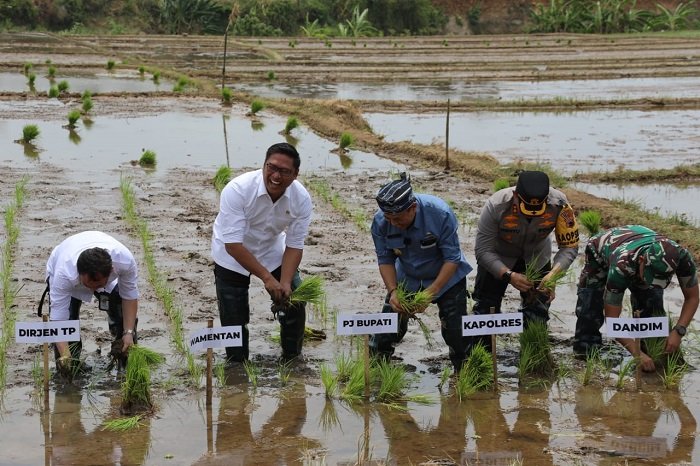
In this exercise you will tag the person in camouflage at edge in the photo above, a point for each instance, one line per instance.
(639, 259)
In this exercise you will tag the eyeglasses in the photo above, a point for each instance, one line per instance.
(284, 172)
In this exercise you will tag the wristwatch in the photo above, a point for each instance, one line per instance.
(680, 329)
(507, 275)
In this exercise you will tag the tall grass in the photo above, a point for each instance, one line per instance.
(159, 281)
(9, 290)
(222, 177)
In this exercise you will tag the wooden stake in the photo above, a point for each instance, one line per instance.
(210, 355)
(367, 367)
(638, 356)
(447, 137)
(45, 318)
(492, 310)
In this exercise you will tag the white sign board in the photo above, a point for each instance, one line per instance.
(47, 332)
(492, 324)
(216, 337)
(367, 324)
(636, 328)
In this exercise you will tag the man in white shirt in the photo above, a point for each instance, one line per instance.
(263, 219)
(86, 265)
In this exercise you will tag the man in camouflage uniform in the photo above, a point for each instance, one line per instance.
(636, 258)
(514, 230)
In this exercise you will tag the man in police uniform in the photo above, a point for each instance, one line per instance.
(639, 259)
(514, 230)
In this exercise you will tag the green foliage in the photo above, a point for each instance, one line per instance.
(406, 16)
(292, 123)
(271, 76)
(412, 302)
(193, 16)
(30, 133)
(256, 105)
(142, 70)
(87, 104)
(136, 389)
(51, 73)
(346, 140)
(535, 352)
(53, 92)
(148, 158)
(62, 86)
(222, 177)
(26, 68)
(358, 24)
(226, 95)
(110, 64)
(73, 117)
(476, 374)
(123, 423)
(252, 371)
(591, 220)
(310, 290)
(674, 370)
(31, 79)
(500, 183)
(156, 77)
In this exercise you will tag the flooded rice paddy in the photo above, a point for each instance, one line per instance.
(74, 185)
(123, 81)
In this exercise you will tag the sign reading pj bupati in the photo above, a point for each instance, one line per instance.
(367, 324)
(636, 328)
(492, 324)
(47, 332)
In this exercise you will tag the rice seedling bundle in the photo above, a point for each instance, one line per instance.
(292, 123)
(535, 354)
(256, 105)
(476, 374)
(590, 219)
(413, 301)
(346, 140)
(123, 424)
(310, 290)
(29, 133)
(148, 158)
(136, 389)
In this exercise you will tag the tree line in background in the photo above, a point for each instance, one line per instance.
(323, 18)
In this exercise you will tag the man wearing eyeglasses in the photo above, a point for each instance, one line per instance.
(263, 219)
(514, 233)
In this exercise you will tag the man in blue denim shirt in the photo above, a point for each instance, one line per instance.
(417, 245)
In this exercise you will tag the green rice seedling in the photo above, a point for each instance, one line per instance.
(329, 381)
(500, 183)
(292, 123)
(555, 279)
(252, 371)
(355, 386)
(29, 133)
(343, 366)
(346, 140)
(226, 95)
(73, 117)
(271, 76)
(181, 84)
(148, 158)
(310, 290)
(156, 77)
(142, 70)
(655, 348)
(63, 86)
(412, 302)
(51, 72)
(53, 91)
(222, 177)
(31, 79)
(27, 67)
(255, 106)
(285, 371)
(136, 388)
(532, 271)
(590, 219)
(110, 64)
(476, 373)
(592, 363)
(535, 351)
(87, 104)
(444, 377)
(626, 369)
(674, 370)
(393, 381)
(38, 371)
(219, 370)
(87, 94)
(123, 424)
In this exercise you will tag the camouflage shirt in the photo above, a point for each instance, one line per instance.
(612, 259)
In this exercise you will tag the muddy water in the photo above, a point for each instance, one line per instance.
(99, 82)
(597, 89)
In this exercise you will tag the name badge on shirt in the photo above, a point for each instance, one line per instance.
(103, 302)
(429, 241)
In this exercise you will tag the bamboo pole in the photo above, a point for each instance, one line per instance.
(492, 310)
(210, 355)
(45, 351)
(447, 137)
(638, 356)
(367, 367)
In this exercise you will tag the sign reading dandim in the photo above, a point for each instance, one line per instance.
(636, 328)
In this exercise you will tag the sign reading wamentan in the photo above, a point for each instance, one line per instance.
(367, 324)
(216, 337)
(636, 328)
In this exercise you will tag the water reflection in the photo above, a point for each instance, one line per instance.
(99, 82)
(278, 440)
(71, 443)
(603, 89)
(73, 136)
(598, 140)
(657, 426)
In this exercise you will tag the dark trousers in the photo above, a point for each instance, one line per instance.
(115, 320)
(234, 309)
(489, 292)
(590, 314)
(452, 305)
